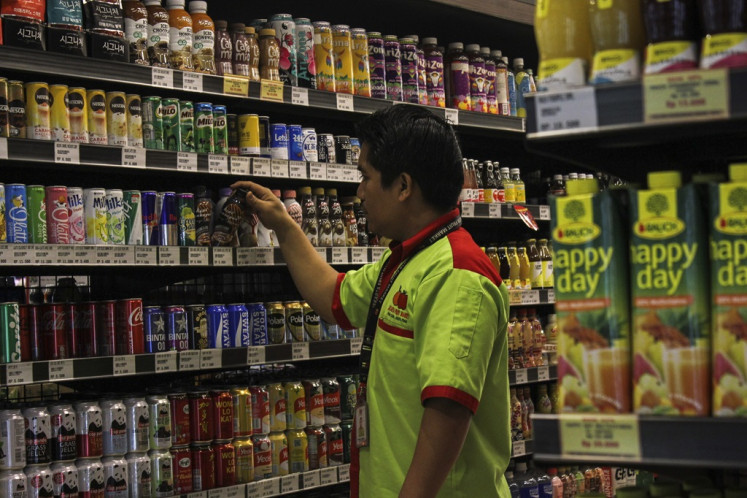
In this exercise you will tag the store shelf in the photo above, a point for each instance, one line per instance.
(502, 211)
(522, 448)
(630, 439)
(532, 375)
(533, 297)
(196, 361)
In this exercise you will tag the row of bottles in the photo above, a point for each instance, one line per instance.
(525, 401)
(524, 267)
(525, 481)
(528, 344)
(487, 182)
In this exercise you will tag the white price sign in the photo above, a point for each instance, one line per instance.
(311, 479)
(65, 153)
(344, 472)
(161, 77)
(123, 255)
(46, 255)
(5, 255)
(104, 255)
(85, 255)
(289, 484)
(218, 493)
(262, 256)
(334, 172)
(355, 345)
(340, 255)
(199, 256)
(255, 355)
(19, 373)
(270, 487)
(254, 490)
(261, 167)
(521, 376)
(297, 169)
(543, 373)
(243, 256)
(317, 171)
(222, 256)
(60, 370)
(3, 148)
(350, 174)
(210, 359)
(551, 296)
(359, 255)
(494, 210)
(530, 297)
(322, 252)
(377, 253)
(198, 494)
(235, 491)
(566, 110)
(468, 209)
(301, 351)
(300, 96)
(519, 448)
(65, 255)
(451, 116)
(146, 255)
(168, 256)
(166, 362)
(218, 163)
(189, 360)
(123, 365)
(328, 476)
(192, 81)
(345, 102)
(133, 157)
(186, 161)
(280, 168)
(241, 165)
(544, 212)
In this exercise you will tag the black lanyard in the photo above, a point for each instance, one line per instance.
(377, 299)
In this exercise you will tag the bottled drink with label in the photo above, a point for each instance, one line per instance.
(535, 263)
(515, 272)
(505, 266)
(180, 36)
(671, 35)
(519, 187)
(229, 217)
(527, 336)
(524, 85)
(725, 33)
(525, 268)
(203, 38)
(617, 31)
(564, 42)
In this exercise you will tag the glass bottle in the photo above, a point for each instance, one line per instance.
(516, 415)
(224, 49)
(526, 432)
(527, 337)
(530, 411)
(239, 49)
(546, 259)
(518, 341)
(362, 222)
(351, 224)
(180, 36)
(554, 398)
(525, 269)
(492, 253)
(505, 266)
(203, 38)
(519, 187)
(254, 53)
(557, 187)
(309, 221)
(335, 218)
(292, 206)
(158, 34)
(551, 345)
(513, 258)
(269, 55)
(510, 333)
(229, 217)
(535, 263)
(539, 339)
(508, 185)
(499, 183)
(322, 211)
(544, 405)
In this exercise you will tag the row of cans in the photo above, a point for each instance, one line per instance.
(180, 125)
(296, 143)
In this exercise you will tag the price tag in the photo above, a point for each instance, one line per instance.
(290, 483)
(236, 491)
(46, 255)
(133, 157)
(162, 77)
(279, 168)
(65, 153)
(567, 110)
(192, 81)
(243, 256)
(377, 253)
(85, 255)
(297, 168)
(270, 487)
(544, 212)
(311, 479)
(519, 449)
(550, 348)
(522, 377)
(301, 351)
(60, 370)
(351, 174)
(599, 436)
(218, 163)
(23, 254)
(241, 165)
(222, 256)
(543, 373)
(189, 360)
(262, 256)
(551, 296)
(146, 255)
(340, 255)
(345, 102)
(123, 255)
(300, 96)
(5, 255)
(494, 210)
(255, 355)
(168, 256)
(218, 493)
(210, 359)
(271, 90)
(355, 345)
(530, 297)
(261, 166)
(344, 472)
(468, 209)
(198, 494)
(65, 255)
(19, 373)
(359, 255)
(328, 476)
(254, 490)
(103, 255)
(186, 161)
(451, 116)
(166, 362)
(199, 256)
(235, 86)
(686, 96)
(334, 172)
(3, 148)
(124, 365)
(322, 252)
(317, 171)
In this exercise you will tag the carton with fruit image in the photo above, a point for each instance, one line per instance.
(728, 225)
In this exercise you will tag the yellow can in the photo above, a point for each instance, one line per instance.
(324, 56)
(242, 411)
(361, 73)
(294, 320)
(116, 118)
(278, 407)
(60, 120)
(279, 443)
(276, 322)
(298, 450)
(312, 324)
(295, 405)
(249, 135)
(78, 104)
(96, 103)
(343, 59)
(37, 111)
(134, 121)
(244, 459)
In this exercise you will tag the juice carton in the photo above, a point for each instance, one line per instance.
(669, 283)
(592, 301)
(728, 226)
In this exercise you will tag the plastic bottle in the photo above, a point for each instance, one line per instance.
(588, 480)
(229, 216)
(490, 73)
(240, 49)
(535, 263)
(671, 35)
(518, 342)
(351, 224)
(224, 49)
(525, 268)
(617, 31)
(269, 55)
(530, 411)
(434, 66)
(547, 266)
(554, 398)
(335, 217)
(725, 27)
(180, 36)
(492, 253)
(322, 211)
(292, 205)
(524, 85)
(254, 53)
(511, 84)
(362, 222)
(519, 187)
(136, 30)
(563, 36)
(510, 333)
(508, 185)
(557, 484)
(513, 258)
(458, 78)
(558, 186)
(513, 486)
(539, 338)
(527, 336)
(544, 481)
(525, 431)
(203, 38)
(309, 221)
(505, 271)
(528, 487)
(501, 84)
(477, 78)
(544, 405)
(551, 344)
(517, 433)
(158, 34)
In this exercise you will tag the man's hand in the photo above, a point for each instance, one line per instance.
(271, 210)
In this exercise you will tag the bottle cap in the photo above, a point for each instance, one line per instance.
(505, 169)
(738, 172)
(304, 191)
(496, 53)
(373, 34)
(505, 60)
(485, 51)
(221, 25)
(288, 194)
(519, 61)
(276, 193)
(406, 41)
(197, 6)
(318, 191)
(430, 41)
(152, 2)
(557, 177)
(250, 31)
(456, 46)
(175, 4)
(472, 47)
(267, 32)
(664, 179)
(236, 26)
(414, 38)
(331, 191)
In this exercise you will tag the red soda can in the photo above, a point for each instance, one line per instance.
(335, 445)
(203, 467)
(130, 335)
(58, 222)
(73, 329)
(181, 457)
(89, 429)
(262, 456)
(106, 318)
(225, 463)
(201, 423)
(260, 410)
(55, 340)
(317, 448)
(179, 419)
(222, 415)
(88, 335)
(32, 344)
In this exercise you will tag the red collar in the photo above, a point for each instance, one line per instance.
(401, 250)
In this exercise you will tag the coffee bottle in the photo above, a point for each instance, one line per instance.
(240, 49)
(254, 53)
(203, 38)
(269, 55)
(224, 52)
(180, 36)
(229, 218)
(136, 31)
(158, 34)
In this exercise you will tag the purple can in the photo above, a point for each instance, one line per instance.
(218, 329)
(258, 324)
(177, 338)
(167, 219)
(409, 58)
(154, 326)
(150, 221)
(377, 64)
(393, 63)
(295, 142)
(238, 323)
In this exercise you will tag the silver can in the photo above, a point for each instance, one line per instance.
(115, 220)
(38, 430)
(115, 427)
(162, 473)
(13, 484)
(325, 146)
(139, 475)
(64, 441)
(12, 440)
(39, 482)
(115, 477)
(309, 145)
(90, 429)
(65, 479)
(138, 421)
(96, 222)
(160, 422)
(90, 478)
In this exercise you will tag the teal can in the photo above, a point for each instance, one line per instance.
(220, 129)
(187, 126)
(204, 140)
(10, 333)
(185, 207)
(172, 137)
(152, 123)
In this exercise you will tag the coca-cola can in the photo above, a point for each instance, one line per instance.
(332, 410)
(160, 422)
(106, 316)
(55, 339)
(260, 410)
(244, 459)
(130, 335)
(182, 464)
(113, 414)
(13, 483)
(314, 402)
(90, 478)
(225, 463)
(12, 440)
(72, 329)
(38, 425)
(317, 448)
(161, 473)
(138, 424)
(58, 217)
(201, 423)
(203, 467)
(197, 326)
(64, 479)
(115, 477)
(89, 430)
(63, 441)
(32, 342)
(139, 477)
(179, 419)
(222, 414)
(335, 446)
(88, 335)
(39, 482)
(262, 456)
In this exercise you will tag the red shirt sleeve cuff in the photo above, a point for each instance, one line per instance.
(337, 310)
(452, 393)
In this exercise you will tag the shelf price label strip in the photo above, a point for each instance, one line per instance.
(686, 96)
(595, 436)
(567, 110)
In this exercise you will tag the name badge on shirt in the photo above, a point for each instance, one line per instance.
(361, 424)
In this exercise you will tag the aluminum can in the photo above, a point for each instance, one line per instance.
(222, 404)
(179, 419)
(393, 62)
(279, 444)
(185, 208)
(377, 64)
(325, 147)
(16, 217)
(58, 217)
(201, 420)
(30, 333)
(324, 57)
(203, 467)
(314, 402)
(159, 428)
(113, 415)
(139, 478)
(295, 402)
(39, 482)
(152, 123)
(181, 458)
(90, 478)
(285, 34)
(106, 328)
(95, 211)
(260, 410)
(138, 422)
(238, 323)
(348, 396)
(232, 125)
(257, 324)
(248, 135)
(3, 233)
(38, 426)
(171, 118)
(244, 458)
(317, 444)
(312, 324)
(295, 143)
(355, 149)
(59, 120)
(4, 124)
(10, 333)
(220, 129)
(361, 71)
(197, 326)
(134, 108)
(176, 328)
(38, 111)
(96, 103)
(16, 109)
(64, 479)
(278, 407)
(55, 337)
(343, 59)
(167, 218)
(204, 138)
(347, 435)
(276, 322)
(13, 483)
(149, 218)
(76, 215)
(225, 463)
(305, 53)
(78, 104)
(130, 334)
(262, 456)
(298, 450)
(331, 388)
(37, 214)
(154, 329)
(343, 150)
(410, 76)
(279, 141)
(88, 344)
(242, 411)
(115, 220)
(294, 321)
(218, 327)
(265, 148)
(335, 445)
(89, 430)
(12, 440)
(161, 473)
(116, 118)
(116, 477)
(187, 126)
(132, 207)
(308, 144)
(73, 329)
(63, 440)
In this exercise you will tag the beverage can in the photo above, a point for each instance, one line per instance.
(343, 57)
(265, 149)
(138, 422)
(257, 324)
(324, 56)
(348, 396)
(305, 53)
(106, 327)
(204, 207)
(343, 150)
(222, 406)
(298, 450)
(132, 208)
(139, 475)
(361, 71)
(38, 111)
(279, 141)
(331, 389)
(161, 473)
(116, 477)
(152, 123)
(64, 479)
(309, 145)
(285, 35)
(355, 149)
(89, 430)
(39, 482)
(16, 109)
(4, 123)
(244, 459)
(232, 125)
(347, 434)
(130, 334)
(294, 321)
(167, 218)
(279, 445)
(225, 463)
(314, 402)
(262, 457)
(181, 458)
(218, 327)
(37, 214)
(13, 483)
(187, 126)
(238, 324)
(325, 147)
(3, 233)
(76, 215)
(150, 219)
(276, 322)
(260, 410)
(73, 329)
(134, 107)
(95, 211)
(201, 417)
(335, 445)
(59, 120)
(159, 428)
(197, 326)
(38, 426)
(177, 338)
(16, 217)
(12, 440)
(113, 415)
(242, 411)
(295, 403)
(54, 331)
(295, 143)
(90, 478)
(116, 118)
(171, 118)
(179, 403)
(204, 136)
(248, 128)
(115, 220)
(88, 330)
(311, 323)
(29, 326)
(154, 329)
(203, 467)
(278, 407)
(96, 104)
(377, 64)
(185, 207)
(58, 217)
(317, 444)
(63, 439)
(78, 105)
(393, 63)
(409, 58)
(220, 130)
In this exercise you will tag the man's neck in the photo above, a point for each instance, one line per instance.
(416, 220)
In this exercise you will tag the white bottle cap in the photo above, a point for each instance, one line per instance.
(496, 53)
(514, 171)
(557, 177)
(457, 45)
(505, 60)
(472, 47)
(174, 4)
(505, 170)
(197, 6)
(519, 60)
(430, 41)
(485, 50)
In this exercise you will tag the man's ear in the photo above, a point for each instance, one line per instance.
(406, 185)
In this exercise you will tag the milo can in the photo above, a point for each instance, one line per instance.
(12, 440)
(249, 135)
(138, 422)
(244, 459)
(113, 414)
(37, 214)
(317, 444)
(96, 104)
(220, 130)
(204, 138)
(276, 322)
(295, 402)
(294, 321)
(64, 479)
(10, 333)
(348, 396)
(139, 475)
(78, 104)
(94, 206)
(16, 110)
(38, 431)
(90, 478)
(171, 124)
(13, 484)
(152, 123)
(4, 125)
(59, 121)
(89, 431)
(132, 209)
(37, 111)
(232, 124)
(161, 473)
(262, 456)
(312, 324)
(115, 220)
(116, 118)
(39, 482)
(160, 422)
(187, 126)
(298, 450)
(63, 441)
(116, 477)
(279, 445)
(134, 120)
(181, 458)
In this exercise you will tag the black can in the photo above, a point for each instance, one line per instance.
(197, 326)
(264, 136)
(343, 149)
(232, 123)
(325, 148)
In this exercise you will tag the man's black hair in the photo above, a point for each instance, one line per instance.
(409, 139)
